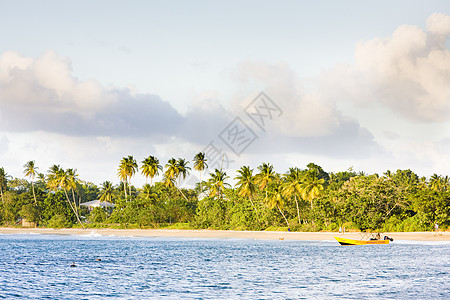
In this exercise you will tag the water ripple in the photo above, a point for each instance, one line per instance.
(38, 266)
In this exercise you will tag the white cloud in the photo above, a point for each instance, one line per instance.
(407, 72)
(42, 94)
(439, 24)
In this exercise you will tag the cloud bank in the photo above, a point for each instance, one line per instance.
(407, 72)
(43, 95)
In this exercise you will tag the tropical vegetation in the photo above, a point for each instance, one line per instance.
(308, 199)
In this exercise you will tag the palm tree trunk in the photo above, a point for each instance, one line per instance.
(74, 201)
(73, 209)
(298, 210)
(182, 193)
(129, 185)
(257, 213)
(34, 195)
(283, 215)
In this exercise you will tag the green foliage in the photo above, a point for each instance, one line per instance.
(432, 206)
(241, 215)
(59, 221)
(30, 212)
(56, 204)
(302, 200)
(98, 215)
(210, 213)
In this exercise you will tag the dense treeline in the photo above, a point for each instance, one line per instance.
(301, 199)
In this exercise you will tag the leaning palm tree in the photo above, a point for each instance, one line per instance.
(217, 183)
(246, 186)
(127, 169)
(106, 192)
(168, 181)
(31, 171)
(265, 176)
(72, 181)
(172, 173)
(183, 169)
(200, 165)
(292, 186)
(57, 178)
(275, 197)
(150, 168)
(171, 169)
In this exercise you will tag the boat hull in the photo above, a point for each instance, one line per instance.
(350, 242)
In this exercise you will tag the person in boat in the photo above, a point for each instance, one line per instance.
(388, 238)
(375, 237)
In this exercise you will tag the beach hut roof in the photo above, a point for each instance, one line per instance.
(97, 203)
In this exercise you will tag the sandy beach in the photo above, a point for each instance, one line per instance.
(281, 235)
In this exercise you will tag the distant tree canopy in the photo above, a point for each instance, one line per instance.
(309, 199)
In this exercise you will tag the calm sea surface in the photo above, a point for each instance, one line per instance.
(38, 267)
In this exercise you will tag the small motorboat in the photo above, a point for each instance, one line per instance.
(371, 241)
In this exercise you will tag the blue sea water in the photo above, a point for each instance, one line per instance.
(38, 267)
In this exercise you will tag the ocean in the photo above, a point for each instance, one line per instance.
(34, 266)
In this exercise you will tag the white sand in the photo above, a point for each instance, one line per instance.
(283, 235)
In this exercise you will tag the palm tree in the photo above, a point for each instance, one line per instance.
(57, 178)
(106, 192)
(265, 176)
(435, 182)
(123, 179)
(200, 165)
(72, 180)
(246, 184)
(3, 181)
(168, 181)
(172, 173)
(422, 184)
(127, 169)
(292, 186)
(30, 171)
(445, 181)
(312, 187)
(148, 191)
(52, 177)
(388, 174)
(217, 183)
(275, 197)
(150, 168)
(183, 169)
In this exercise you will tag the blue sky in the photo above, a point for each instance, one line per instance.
(84, 83)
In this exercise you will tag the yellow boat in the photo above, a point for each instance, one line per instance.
(349, 242)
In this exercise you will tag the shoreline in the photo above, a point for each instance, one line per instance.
(206, 233)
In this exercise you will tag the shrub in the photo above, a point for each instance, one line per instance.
(58, 221)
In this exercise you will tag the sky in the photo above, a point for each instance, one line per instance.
(343, 84)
